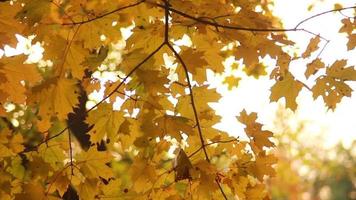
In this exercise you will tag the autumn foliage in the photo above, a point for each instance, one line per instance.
(63, 150)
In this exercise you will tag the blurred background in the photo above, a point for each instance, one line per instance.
(316, 147)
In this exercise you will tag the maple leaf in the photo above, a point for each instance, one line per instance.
(339, 71)
(175, 126)
(331, 90)
(106, 123)
(256, 70)
(93, 164)
(143, 174)
(288, 88)
(55, 97)
(313, 67)
(33, 11)
(194, 59)
(263, 165)
(351, 44)
(8, 24)
(232, 81)
(259, 138)
(312, 46)
(14, 72)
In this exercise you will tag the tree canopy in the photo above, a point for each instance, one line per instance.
(62, 150)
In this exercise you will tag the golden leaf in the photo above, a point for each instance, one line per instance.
(312, 46)
(313, 67)
(288, 88)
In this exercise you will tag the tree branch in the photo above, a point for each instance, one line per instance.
(322, 13)
(241, 28)
(211, 143)
(70, 152)
(191, 94)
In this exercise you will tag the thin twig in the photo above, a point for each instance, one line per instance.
(321, 51)
(322, 13)
(211, 143)
(67, 49)
(70, 152)
(221, 189)
(305, 85)
(191, 94)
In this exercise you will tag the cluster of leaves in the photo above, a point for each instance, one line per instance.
(125, 153)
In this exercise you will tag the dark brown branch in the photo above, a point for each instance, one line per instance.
(322, 13)
(166, 39)
(104, 15)
(191, 94)
(220, 187)
(166, 22)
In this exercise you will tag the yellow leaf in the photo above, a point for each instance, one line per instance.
(232, 81)
(348, 26)
(33, 11)
(313, 67)
(312, 46)
(88, 189)
(202, 96)
(331, 90)
(263, 166)
(55, 97)
(175, 126)
(337, 6)
(194, 59)
(143, 174)
(90, 33)
(255, 70)
(9, 25)
(351, 44)
(93, 163)
(106, 122)
(288, 88)
(339, 71)
(14, 72)
(258, 138)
